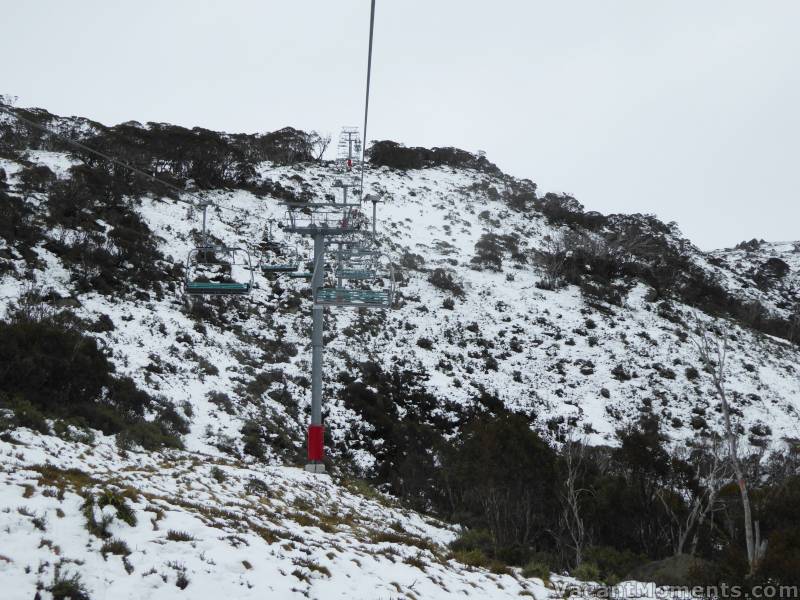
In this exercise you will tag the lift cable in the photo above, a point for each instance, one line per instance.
(200, 201)
(366, 100)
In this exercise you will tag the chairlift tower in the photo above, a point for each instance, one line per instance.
(339, 227)
(335, 222)
(349, 147)
(349, 157)
(323, 222)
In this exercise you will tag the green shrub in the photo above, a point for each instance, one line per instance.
(119, 502)
(73, 430)
(472, 558)
(116, 547)
(52, 370)
(68, 587)
(614, 564)
(93, 526)
(51, 364)
(586, 571)
(217, 474)
(424, 343)
(148, 435)
(25, 414)
(179, 536)
(498, 567)
(444, 281)
(252, 436)
(474, 539)
(536, 569)
(106, 498)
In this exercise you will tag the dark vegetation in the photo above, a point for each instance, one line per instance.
(123, 258)
(50, 370)
(491, 249)
(506, 485)
(604, 255)
(176, 154)
(97, 233)
(392, 154)
(445, 281)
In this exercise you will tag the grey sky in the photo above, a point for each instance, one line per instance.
(684, 109)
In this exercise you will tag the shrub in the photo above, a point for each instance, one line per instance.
(498, 567)
(116, 547)
(181, 580)
(538, 570)
(68, 587)
(36, 178)
(620, 373)
(52, 370)
(614, 564)
(586, 571)
(411, 261)
(424, 343)
(444, 281)
(25, 414)
(391, 154)
(217, 474)
(252, 436)
(119, 502)
(51, 364)
(180, 536)
(491, 248)
(474, 539)
(222, 401)
(472, 558)
(499, 452)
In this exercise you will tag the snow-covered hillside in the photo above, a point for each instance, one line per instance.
(547, 353)
(470, 334)
(205, 527)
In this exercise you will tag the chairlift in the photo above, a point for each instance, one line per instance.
(356, 262)
(218, 271)
(331, 220)
(348, 295)
(278, 262)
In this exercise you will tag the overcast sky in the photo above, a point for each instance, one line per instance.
(685, 109)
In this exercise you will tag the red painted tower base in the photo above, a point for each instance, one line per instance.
(316, 446)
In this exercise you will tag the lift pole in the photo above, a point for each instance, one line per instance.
(316, 431)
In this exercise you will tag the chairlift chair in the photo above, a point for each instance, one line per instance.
(333, 221)
(218, 271)
(356, 263)
(279, 262)
(357, 297)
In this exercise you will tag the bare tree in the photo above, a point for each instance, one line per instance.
(712, 473)
(318, 144)
(713, 350)
(571, 519)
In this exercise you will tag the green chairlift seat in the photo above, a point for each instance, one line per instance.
(216, 288)
(279, 268)
(301, 275)
(355, 274)
(199, 283)
(353, 297)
